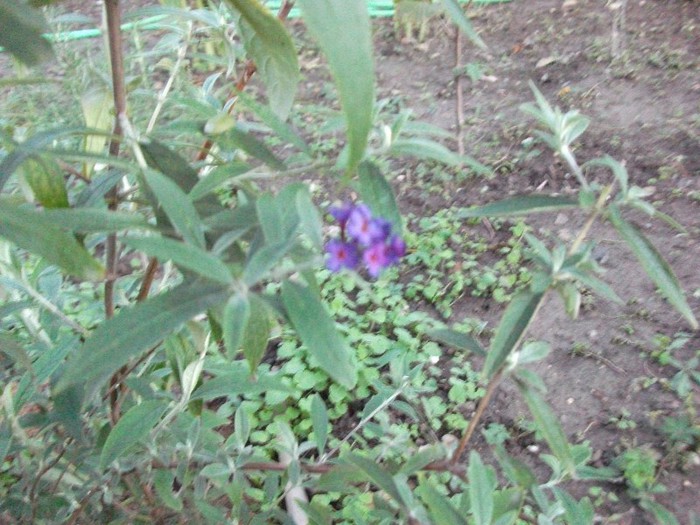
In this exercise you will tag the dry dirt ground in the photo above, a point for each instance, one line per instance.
(645, 111)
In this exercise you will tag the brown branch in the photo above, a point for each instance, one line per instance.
(481, 407)
(148, 277)
(116, 57)
(248, 72)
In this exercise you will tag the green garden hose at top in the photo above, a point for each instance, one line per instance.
(377, 9)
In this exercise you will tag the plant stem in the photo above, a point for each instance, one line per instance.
(597, 209)
(116, 56)
(481, 407)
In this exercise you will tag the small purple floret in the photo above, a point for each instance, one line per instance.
(341, 213)
(362, 228)
(376, 258)
(341, 255)
(396, 249)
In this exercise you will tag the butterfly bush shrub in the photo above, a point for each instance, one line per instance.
(211, 384)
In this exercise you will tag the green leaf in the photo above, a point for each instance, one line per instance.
(98, 110)
(276, 124)
(318, 333)
(262, 262)
(319, 421)
(521, 205)
(654, 264)
(257, 332)
(577, 513)
(441, 509)
(183, 255)
(254, 147)
(454, 9)
(15, 351)
(133, 426)
(238, 383)
(378, 194)
(31, 148)
(481, 490)
(178, 207)
(136, 329)
(272, 49)
(431, 150)
(661, 514)
(161, 158)
(344, 33)
(594, 284)
(235, 320)
(515, 470)
(217, 177)
(32, 231)
(458, 340)
(22, 32)
(311, 222)
(375, 474)
(514, 322)
(548, 425)
(163, 483)
(46, 182)
(93, 220)
(423, 457)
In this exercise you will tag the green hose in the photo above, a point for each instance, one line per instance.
(377, 9)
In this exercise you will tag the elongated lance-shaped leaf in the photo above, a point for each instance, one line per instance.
(481, 488)
(131, 428)
(440, 508)
(257, 332)
(429, 149)
(217, 177)
(548, 425)
(343, 31)
(272, 49)
(22, 32)
(177, 206)
(319, 421)
(375, 474)
(136, 329)
(458, 340)
(93, 220)
(456, 13)
(46, 182)
(183, 255)
(276, 124)
(376, 191)
(654, 264)
(32, 231)
(31, 147)
(235, 320)
(163, 159)
(521, 205)
(254, 147)
(577, 512)
(514, 322)
(318, 333)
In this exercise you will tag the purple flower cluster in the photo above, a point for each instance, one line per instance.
(363, 238)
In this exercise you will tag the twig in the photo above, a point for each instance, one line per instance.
(459, 87)
(481, 407)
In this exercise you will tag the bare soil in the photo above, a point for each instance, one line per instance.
(645, 111)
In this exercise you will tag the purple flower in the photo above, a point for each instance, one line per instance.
(376, 258)
(363, 228)
(341, 213)
(341, 255)
(396, 249)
